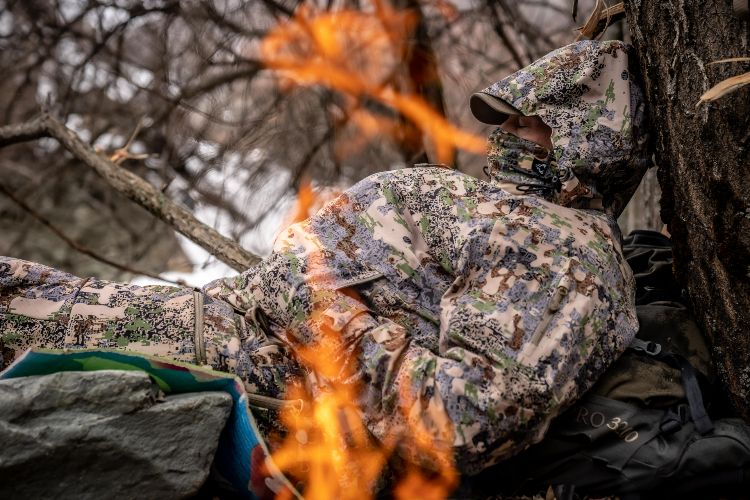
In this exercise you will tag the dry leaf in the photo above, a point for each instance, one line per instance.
(725, 87)
(600, 19)
(588, 29)
(731, 59)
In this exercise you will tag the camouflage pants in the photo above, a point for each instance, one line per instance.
(44, 307)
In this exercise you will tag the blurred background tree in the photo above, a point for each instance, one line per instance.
(224, 128)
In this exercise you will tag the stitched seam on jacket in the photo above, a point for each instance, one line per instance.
(69, 326)
(200, 347)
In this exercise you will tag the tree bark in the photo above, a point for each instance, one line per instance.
(702, 153)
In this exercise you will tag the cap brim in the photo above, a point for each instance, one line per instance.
(490, 109)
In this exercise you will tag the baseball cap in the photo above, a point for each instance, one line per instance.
(491, 109)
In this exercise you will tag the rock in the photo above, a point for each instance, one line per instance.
(105, 434)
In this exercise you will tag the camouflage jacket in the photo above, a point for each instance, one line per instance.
(472, 306)
(475, 309)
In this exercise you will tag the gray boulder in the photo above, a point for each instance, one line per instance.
(105, 434)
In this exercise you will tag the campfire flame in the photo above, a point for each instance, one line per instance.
(327, 447)
(358, 54)
(304, 204)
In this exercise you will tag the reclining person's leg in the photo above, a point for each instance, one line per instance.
(41, 307)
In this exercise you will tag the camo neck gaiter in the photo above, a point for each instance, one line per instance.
(521, 166)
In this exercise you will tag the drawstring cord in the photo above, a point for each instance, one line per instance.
(551, 182)
(200, 347)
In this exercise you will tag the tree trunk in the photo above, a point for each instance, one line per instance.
(702, 151)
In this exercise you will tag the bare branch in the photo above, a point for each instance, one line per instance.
(133, 187)
(23, 132)
(78, 247)
(497, 25)
(600, 19)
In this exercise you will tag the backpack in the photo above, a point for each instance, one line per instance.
(651, 426)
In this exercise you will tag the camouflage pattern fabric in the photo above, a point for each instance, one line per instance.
(586, 93)
(520, 166)
(511, 306)
(468, 308)
(45, 307)
(477, 309)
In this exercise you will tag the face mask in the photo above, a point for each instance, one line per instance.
(521, 166)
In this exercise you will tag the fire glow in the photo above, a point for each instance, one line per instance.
(358, 55)
(328, 448)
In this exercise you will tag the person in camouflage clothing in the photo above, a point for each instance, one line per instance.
(478, 309)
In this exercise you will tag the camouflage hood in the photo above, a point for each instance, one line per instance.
(586, 93)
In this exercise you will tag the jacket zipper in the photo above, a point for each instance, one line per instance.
(554, 306)
(368, 276)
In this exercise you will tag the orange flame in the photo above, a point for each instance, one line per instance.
(358, 54)
(328, 447)
(438, 482)
(309, 200)
(304, 204)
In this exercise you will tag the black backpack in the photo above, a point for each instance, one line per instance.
(651, 427)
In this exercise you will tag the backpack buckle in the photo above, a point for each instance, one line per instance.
(646, 347)
(674, 418)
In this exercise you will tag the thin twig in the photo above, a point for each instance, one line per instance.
(77, 246)
(497, 25)
(133, 187)
(123, 153)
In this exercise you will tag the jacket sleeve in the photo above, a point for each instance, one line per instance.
(479, 404)
(455, 401)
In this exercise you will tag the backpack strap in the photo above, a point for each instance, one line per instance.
(674, 418)
(690, 383)
(694, 395)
